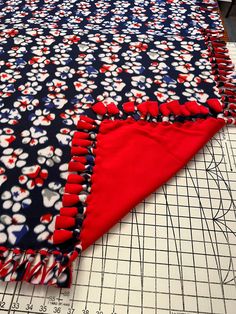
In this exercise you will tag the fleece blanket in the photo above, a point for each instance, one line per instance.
(101, 102)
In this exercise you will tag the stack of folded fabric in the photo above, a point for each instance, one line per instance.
(101, 103)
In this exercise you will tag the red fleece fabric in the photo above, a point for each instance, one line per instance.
(133, 159)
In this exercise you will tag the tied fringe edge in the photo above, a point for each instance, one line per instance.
(224, 73)
(36, 267)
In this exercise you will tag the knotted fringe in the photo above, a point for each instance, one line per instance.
(167, 112)
(69, 222)
(36, 267)
(224, 73)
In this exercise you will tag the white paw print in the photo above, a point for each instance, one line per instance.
(12, 158)
(52, 195)
(34, 136)
(15, 199)
(49, 155)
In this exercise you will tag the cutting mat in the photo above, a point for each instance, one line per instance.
(174, 253)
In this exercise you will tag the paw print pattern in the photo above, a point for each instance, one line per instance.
(45, 228)
(163, 18)
(64, 137)
(6, 137)
(49, 156)
(52, 195)
(42, 117)
(9, 116)
(34, 136)
(16, 199)
(12, 158)
(33, 176)
(26, 103)
(12, 228)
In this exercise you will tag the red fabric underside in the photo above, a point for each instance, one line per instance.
(132, 160)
